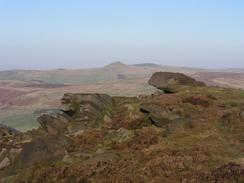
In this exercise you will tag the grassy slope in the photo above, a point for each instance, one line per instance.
(196, 145)
(21, 120)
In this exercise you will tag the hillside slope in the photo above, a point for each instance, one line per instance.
(192, 135)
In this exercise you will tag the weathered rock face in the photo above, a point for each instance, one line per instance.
(54, 122)
(7, 131)
(159, 116)
(11, 142)
(85, 109)
(80, 111)
(168, 81)
(87, 102)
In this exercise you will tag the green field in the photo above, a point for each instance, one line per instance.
(21, 121)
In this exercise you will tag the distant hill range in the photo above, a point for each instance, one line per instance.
(118, 70)
(147, 65)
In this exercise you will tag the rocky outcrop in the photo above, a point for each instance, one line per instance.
(168, 81)
(54, 122)
(80, 111)
(86, 102)
(191, 136)
(86, 109)
(7, 131)
(10, 148)
(158, 116)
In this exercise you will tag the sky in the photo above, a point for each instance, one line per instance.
(47, 34)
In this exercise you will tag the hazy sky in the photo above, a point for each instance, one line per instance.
(91, 33)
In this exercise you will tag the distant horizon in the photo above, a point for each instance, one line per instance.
(133, 64)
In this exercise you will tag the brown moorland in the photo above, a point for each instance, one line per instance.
(193, 135)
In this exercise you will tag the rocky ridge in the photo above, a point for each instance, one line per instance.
(195, 134)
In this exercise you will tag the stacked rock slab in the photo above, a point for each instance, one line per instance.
(86, 109)
(54, 122)
(159, 116)
(80, 111)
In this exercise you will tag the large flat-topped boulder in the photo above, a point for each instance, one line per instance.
(168, 81)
